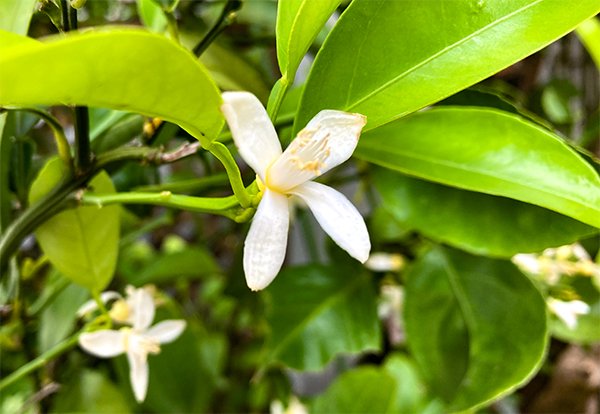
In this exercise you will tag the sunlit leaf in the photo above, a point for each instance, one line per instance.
(114, 68)
(385, 59)
(488, 151)
(476, 326)
(298, 23)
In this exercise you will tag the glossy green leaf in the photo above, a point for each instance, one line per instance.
(82, 243)
(314, 315)
(15, 15)
(118, 69)
(476, 326)
(385, 59)
(589, 33)
(476, 222)
(298, 23)
(361, 390)
(488, 151)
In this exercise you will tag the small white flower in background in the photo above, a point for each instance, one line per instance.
(295, 406)
(137, 341)
(568, 311)
(385, 262)
(328, 140)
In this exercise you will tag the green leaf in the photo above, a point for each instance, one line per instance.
(476, 326)
(57, 320)
(118, 69)
(589, 33)
(476, 222)
(556, 102)
(385, 59)
(361, 390)
(488, 151)
(152, 15)
(82, 243)
(314, 315)
(298, 23)
(16, 14)
(90, 392)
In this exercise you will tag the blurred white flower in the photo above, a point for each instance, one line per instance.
(295, 406)
(385, 262)
(327, 140)
(568, 311)
(137, 341)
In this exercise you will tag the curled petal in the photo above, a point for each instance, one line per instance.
(338, 217)
(328, 140)
(142, 308)
(138, 373)
(166, 331)
(252, 130)
(264, 249)
(104, 344)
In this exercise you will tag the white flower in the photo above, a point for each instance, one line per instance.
(137, 342)
(385, 262)
(328, 140)
(568, 311)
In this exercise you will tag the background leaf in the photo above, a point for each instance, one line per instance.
(298, 23)
(385, 59)
(469, 349)
(82, 243)
(118, 69)
(488, 151)
(314, 315)
(16, 14)
(476, 222)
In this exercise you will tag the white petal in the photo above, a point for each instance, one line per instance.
(264, 249)
(338, 217)
(138, 373)
(142, 308)
(166, 331)
(328, 140)
(92, 305)
(252, 130)
(105, 343)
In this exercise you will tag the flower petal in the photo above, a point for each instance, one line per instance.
(264, 249)
(138, 373)
(252, 130)
(142, 307)
(106, 343)
(338, 217)
(328, 140)
(91, 305)
(166, 331)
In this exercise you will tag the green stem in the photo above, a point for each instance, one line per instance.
(276, 98)
(233, 172)
(226, 206)
(225, 19)
(83, 154)
(193, 184)
(62, 144)
(64, 13)
(40, 361)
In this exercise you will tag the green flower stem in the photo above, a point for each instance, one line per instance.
(62, 145)
(40, 361)
(233, 172)
(226, 206)
(276, 98)
(193, 184)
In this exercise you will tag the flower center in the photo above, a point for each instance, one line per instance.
(120, 311)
